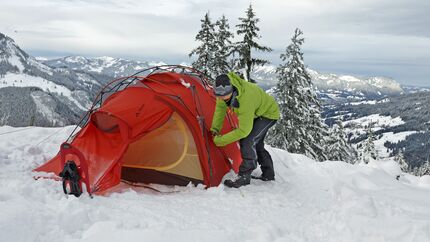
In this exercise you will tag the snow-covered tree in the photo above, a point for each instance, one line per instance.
(249, 30)
(422, 170)
(224, 47)
(205, 52)
(300, 128)
(369, 151)
(425, 169)
(338, 147)
(400, 159)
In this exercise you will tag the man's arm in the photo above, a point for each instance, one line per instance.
(246, 121)
(219, 115)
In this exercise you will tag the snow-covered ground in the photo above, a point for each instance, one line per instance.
(309, 201)
(392, 138)
(358, 126)
(370, 102)
(376, 120)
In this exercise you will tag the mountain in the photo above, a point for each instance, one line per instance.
(399, 123)
(340, 88)
(113, 67)
(33, 93)
(377, 86)
(330, 86)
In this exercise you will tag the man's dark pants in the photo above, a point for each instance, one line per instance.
(252, 149)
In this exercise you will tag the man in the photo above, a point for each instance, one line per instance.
(257, 111)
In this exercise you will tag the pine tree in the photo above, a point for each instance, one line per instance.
(400, 159)
(248, 28)
(369, 150)
(224, 47)
(206, 51)
(300, 128)
(338, 147)
(424, 169)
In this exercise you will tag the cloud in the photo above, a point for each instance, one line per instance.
(347, 34)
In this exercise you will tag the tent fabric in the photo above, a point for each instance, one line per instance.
(155, 128)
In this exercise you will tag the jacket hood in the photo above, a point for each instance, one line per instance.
(237, 82)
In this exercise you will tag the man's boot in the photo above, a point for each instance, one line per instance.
(241, 180)
(263, 178)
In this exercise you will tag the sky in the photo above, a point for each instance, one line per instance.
(388, 38)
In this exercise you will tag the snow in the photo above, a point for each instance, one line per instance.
(392, 138)
(41, 58)
(376, 120)
(107, 61)
(15, 61)
(85, 79)
(32, 61)
(45, 109)
(24, 80)
(265, 69)
(309, 201)
(97, 69)
(155, 63)
(349, 78)
(76, 59)
(370, 102)
(185, 84)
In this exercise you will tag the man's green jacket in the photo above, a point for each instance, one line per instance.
(253, 102)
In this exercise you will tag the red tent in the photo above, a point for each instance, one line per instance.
(149, 129)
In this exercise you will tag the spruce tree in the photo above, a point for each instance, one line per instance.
(424, 169)
(224, 47)
(205, 52)
(369, 150)
(338, 147)
(300, 128)
(249, 30)
(400, 159)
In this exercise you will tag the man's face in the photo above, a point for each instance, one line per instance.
(226, 97)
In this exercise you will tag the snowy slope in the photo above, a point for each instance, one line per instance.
(22, 72)
(67, 93)
(309, 201)
(356, 128)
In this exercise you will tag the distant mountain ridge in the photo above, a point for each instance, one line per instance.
(339, 86)
(113, 67)
(264, 75)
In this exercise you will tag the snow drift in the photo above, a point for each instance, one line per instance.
(309, 201)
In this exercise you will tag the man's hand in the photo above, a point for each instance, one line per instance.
(214, 132)
(216, 140)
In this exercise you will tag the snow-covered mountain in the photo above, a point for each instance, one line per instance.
(114, 67)
(330, 86)
(338, 87)
(371, 85)
(32, 93)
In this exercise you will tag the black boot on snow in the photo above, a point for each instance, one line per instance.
(241, 180)
(263, 178)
